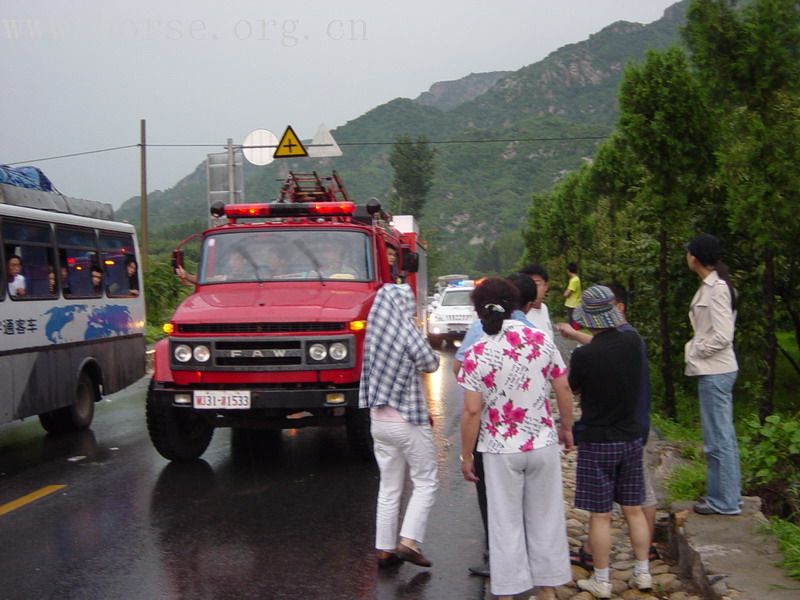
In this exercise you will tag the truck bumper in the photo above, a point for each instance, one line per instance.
(269, 407)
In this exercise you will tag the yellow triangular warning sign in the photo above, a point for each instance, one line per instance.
(290, 145)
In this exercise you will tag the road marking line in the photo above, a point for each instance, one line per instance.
(28, 498)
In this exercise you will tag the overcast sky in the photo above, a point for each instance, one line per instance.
(79, 76)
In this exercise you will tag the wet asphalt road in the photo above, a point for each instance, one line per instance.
(287, 515)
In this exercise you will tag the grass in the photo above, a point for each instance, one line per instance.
(788, 535)
(686, 482)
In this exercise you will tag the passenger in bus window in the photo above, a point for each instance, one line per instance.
(65, 285)
(133, 276)
(51, 280)
(16, 281)
(97, 281)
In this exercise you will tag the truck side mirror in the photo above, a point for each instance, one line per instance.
(177, 259)
(410, 261)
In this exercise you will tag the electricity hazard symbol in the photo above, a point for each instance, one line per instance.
(290, 145)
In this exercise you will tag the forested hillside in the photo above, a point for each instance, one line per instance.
(518, 137)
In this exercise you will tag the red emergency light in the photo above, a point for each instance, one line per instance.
(290, 209)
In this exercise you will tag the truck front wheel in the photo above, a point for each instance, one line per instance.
(176, 433)
(359, 437)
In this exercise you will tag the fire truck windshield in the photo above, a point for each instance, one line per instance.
(302, 254)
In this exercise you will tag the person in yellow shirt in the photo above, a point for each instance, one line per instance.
(573, 291)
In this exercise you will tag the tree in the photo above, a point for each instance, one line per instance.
(413, 164)
(665, 123)
(749, 60)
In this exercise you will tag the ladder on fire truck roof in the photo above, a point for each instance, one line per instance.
(310, 187)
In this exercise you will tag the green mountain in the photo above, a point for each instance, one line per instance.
(508, 135)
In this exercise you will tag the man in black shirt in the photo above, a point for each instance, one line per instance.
(607, 375)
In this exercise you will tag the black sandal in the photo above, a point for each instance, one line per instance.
(581, 558)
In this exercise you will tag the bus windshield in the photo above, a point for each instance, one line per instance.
(307, 254)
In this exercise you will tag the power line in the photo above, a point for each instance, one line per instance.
(20, 162)
(487, 141)
(386, 143)
(480, 141)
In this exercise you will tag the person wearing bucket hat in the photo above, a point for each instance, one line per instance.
(710, 357)
(607, 374)
(583, 555)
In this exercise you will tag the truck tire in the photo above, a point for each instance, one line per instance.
(78, 415)
(176, 434)
(359, 437)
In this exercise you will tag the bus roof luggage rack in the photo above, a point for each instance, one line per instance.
(55, 202)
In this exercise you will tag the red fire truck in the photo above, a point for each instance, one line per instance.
(272, 336)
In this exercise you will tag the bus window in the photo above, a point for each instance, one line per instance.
(29, 260)
(77, 250)
(119, 264)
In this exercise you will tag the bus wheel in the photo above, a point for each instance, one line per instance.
(79, 414)
(82, 410)
(359, 437)
(176, 434)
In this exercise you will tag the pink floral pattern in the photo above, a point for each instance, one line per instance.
(513, 371)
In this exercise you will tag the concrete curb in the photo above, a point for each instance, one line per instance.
(727, 557)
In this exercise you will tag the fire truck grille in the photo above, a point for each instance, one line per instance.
(265, 353)
(223, 328)
(251, 354)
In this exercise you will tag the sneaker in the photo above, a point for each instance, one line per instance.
(598, 589)
(642, 582)
(704, 508)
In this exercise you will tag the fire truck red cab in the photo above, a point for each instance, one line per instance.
(272, 336)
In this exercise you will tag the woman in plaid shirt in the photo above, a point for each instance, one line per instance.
(394, 351)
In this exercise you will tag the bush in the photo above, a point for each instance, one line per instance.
(770, 454)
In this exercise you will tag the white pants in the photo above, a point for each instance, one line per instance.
(527, 530)
(397, 445)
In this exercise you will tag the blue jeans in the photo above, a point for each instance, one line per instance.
(723, 478)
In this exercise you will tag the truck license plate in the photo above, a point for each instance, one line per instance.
(230, 399)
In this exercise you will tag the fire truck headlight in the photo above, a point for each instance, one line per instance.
(201, 353)
(338, 351)
(182, 353)
(317, 352)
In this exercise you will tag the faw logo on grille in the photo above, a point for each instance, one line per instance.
(261, 353)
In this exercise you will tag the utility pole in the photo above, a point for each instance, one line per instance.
(143, 193)
(231, 174)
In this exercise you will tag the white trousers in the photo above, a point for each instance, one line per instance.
(527, 530)
(397, 445)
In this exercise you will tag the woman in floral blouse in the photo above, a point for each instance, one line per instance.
(507, 377)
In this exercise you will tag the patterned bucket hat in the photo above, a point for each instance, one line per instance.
(597, 310)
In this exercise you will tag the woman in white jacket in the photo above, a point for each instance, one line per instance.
(710, 357)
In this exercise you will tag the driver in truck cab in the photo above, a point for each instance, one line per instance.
(334, 259)
(237, 266)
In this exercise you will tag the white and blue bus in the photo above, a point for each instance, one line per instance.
(72, 314)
